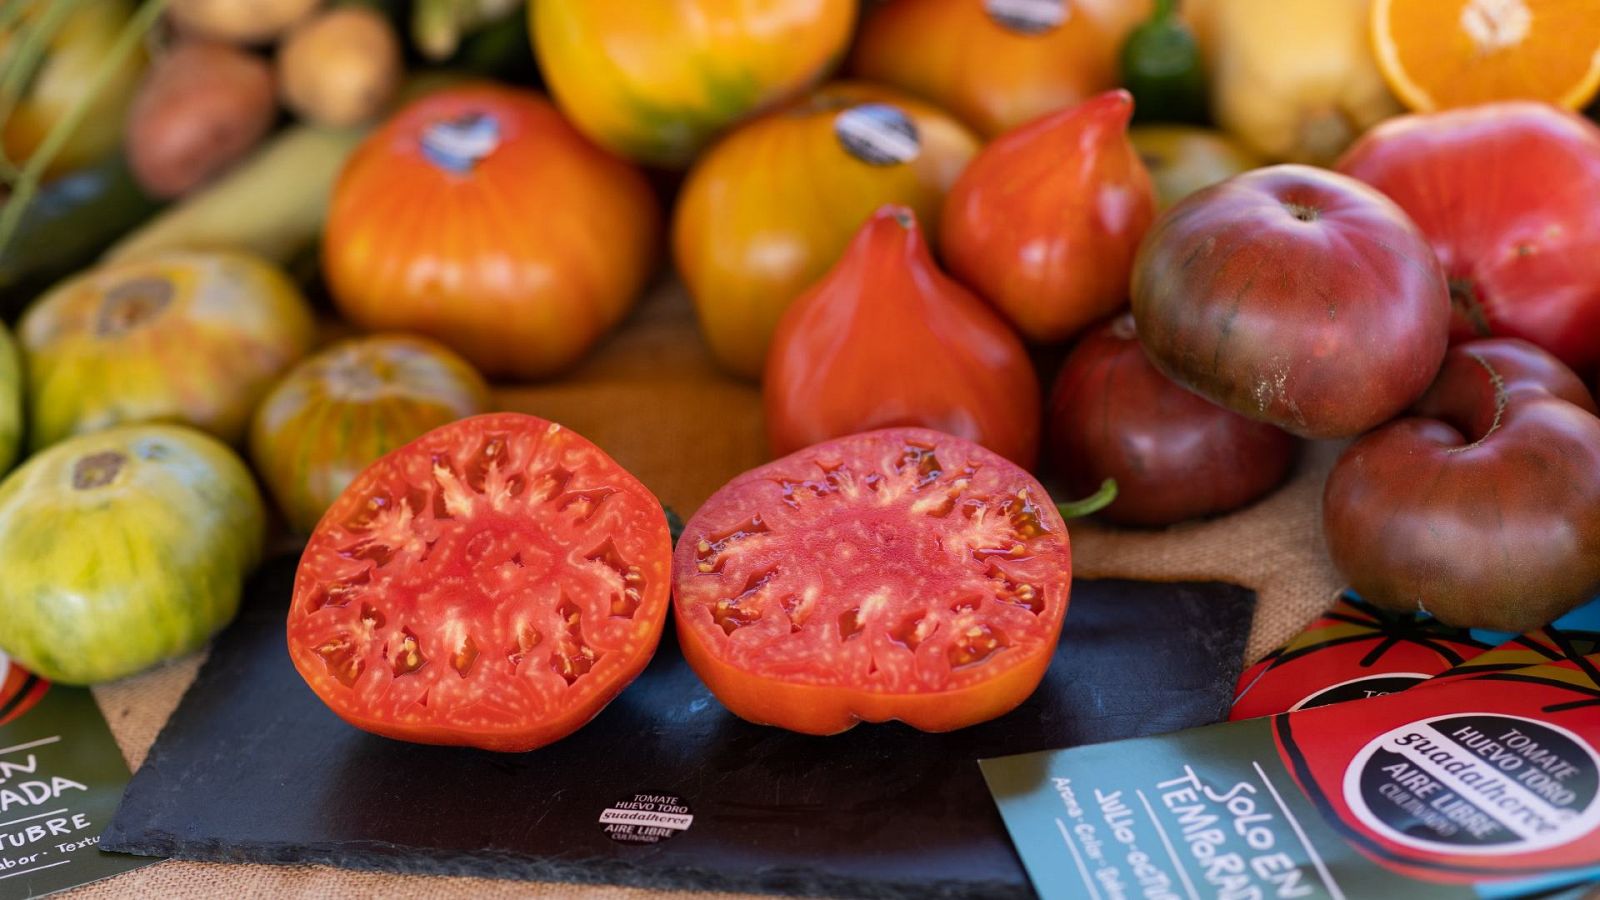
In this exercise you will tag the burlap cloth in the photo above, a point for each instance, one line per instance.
(652, 398)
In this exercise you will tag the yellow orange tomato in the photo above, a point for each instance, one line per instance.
(771, 207)
(654, 81)
(479, 216)
(997, 63)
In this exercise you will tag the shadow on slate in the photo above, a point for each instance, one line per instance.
(252, 768)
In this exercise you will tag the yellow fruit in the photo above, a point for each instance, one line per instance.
(1295, 81)
(1443, 53)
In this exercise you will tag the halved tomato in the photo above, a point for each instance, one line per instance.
(494, 583)
(896, 574)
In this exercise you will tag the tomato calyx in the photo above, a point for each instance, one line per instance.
(97, 470)
(133, 303)
(1088, 506)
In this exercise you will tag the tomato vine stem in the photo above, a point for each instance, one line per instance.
(1088, 506)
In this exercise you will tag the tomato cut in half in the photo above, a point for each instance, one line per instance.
(494, 583)
(896, 574)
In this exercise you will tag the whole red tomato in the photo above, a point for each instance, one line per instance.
(887, 339)
(1295, 296)
(995, 63)
(494, 583)
(1507, 194)
(336, 412)
(1483, 507)
(766, 211)
(897, 574)
(1174, 455)
(1045, 221)
(477, 215)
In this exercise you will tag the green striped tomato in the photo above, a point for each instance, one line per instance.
(338, 411)
(123, 548)
(183, 337)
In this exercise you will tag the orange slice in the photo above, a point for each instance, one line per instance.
(1443, 53)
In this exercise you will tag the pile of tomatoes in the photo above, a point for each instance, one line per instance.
(898, 257)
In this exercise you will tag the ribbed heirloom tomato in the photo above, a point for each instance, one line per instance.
(769, 208)
(180, 337)
(336, 412)
(477, 215)
(494, 583)
(897, 574)
(654, 81)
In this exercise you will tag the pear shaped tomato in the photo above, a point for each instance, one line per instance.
(655, 81)
(181, 337)
(1507, 194)
(1045, 221)
(478, 216)
(336, 412)
(767, 210)
(887, 340)
(997, 63)
(1174, 454)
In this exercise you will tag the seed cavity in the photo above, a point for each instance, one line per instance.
(1009, 590)
(572, 658)
(550, 484)
(372, 617)
(339, 656)
(913, 630)
(975, 645)
(340, 593)
(850, 624)
(966, 604)
(708, 552)
(491, 453)
(408, 658)
(465, 657)
(528, 637)
(587, 502)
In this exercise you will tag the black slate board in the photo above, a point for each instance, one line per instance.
(252, 768)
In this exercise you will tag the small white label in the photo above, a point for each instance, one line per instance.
(646, 819)
(878, 134)
(1028, 16)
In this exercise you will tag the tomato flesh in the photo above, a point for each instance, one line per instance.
(896, 574)
(494, 583)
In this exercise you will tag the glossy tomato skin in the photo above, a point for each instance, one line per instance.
(477, 215)
(1045, 221)
(164, 522)
(1174, 454)
(655, 81)
(886, 339)
(897, 574)
(494, 583)
(182, 337)
(1483, 506)
(997, 65)
(339, 410)
(1294, 296)
(1506, 193)
(769, 208)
